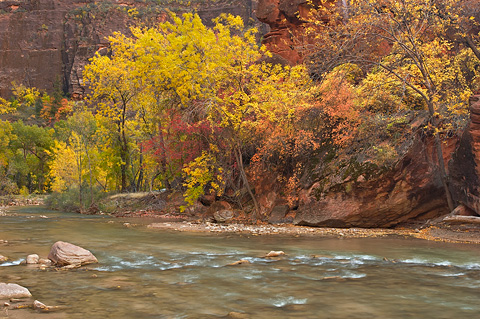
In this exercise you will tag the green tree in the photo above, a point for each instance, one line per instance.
(31, 147)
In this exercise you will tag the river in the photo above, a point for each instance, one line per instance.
(145, 273)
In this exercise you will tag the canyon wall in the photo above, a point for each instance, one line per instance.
(46, 43)
(287, 22)
(465, 165)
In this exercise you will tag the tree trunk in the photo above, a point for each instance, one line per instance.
(163, 156)
(90, 175)
(439, 153)
(140, 170)
(345, 8)
(469, 42)
(123, 166)
(239, 158)
(123, 149)
(443, 172)
(79, 163)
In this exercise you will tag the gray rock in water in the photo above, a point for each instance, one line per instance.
(63, 254)
(8, 291)
(32, 259)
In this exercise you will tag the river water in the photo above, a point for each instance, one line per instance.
(146, 273)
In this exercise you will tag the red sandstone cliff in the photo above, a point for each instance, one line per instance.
(286, 19)
(44, 43)
(410, 190)
(465, 165)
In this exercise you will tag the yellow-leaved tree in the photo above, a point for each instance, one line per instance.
(211, 80)
(407, 45)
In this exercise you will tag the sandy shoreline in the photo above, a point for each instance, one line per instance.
(433, 233)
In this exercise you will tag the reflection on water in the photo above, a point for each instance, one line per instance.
(152, 274)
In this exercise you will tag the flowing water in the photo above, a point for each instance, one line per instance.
(146, 273)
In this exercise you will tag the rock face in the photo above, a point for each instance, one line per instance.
(64, 254)
(278, 215)
(8, 291)
(465, 166)
(412, 190)
(46, 43)
(287, 20)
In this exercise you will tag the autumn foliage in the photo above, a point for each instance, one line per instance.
(197, 109)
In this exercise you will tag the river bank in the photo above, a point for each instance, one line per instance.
(439, 232)
(159, 211)
(435, 231)
(19, 200)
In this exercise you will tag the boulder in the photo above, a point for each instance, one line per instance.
(223, 216)
(63, 254)
(33, 259)
(278, 215)
(8, 291)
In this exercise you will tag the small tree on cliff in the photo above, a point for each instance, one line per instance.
(406, 41)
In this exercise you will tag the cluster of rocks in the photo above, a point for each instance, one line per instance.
(62, 254)
(278, 230)
(29, 202)
(15, 296)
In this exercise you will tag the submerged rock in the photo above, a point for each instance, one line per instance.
(275, 253)
(8, 291)
(237, 315)
(63, 254)
(239, 262)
